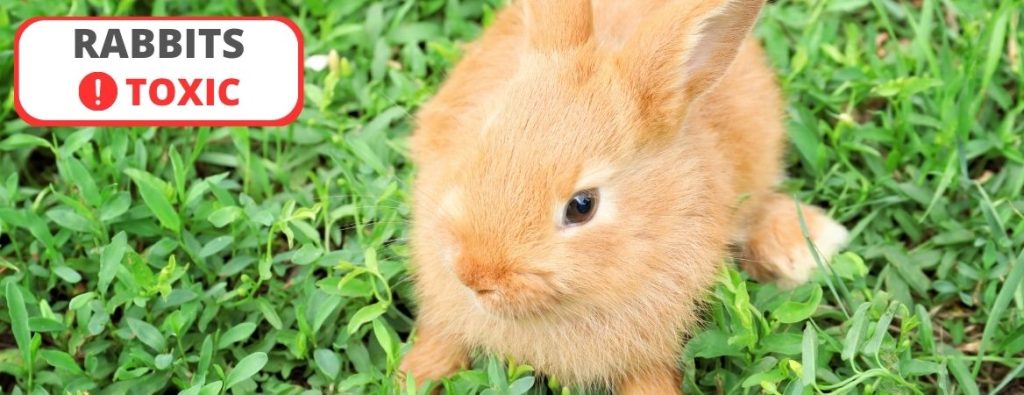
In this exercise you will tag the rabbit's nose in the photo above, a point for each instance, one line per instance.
(476, 281)
(481, 278)
(483, 291)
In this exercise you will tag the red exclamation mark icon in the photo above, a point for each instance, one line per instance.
(97, 91)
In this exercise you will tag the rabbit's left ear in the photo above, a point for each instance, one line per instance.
(683, 51)
(554, 25)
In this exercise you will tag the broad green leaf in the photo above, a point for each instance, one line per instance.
(917, 367)
(193, 390)
(212, 388)
(495, 374)
(245, 369)
(366, 314)
(324, 308)
(147, 334)
(380, 332)
(306, 254)
(224, 216)
(205, 356)
(908, 270)
(163, 361)
(358, 380)
(82, 300)
(82, 179)
(200, 389)
(854, 331)
(328, 362)
(43, 324)
(881, 329)
(60, 360)
(713, 343)
(810, 355)
(236, 334)
(786, 343)
(269, 314)
(791, 311)
(521, 386)
(69, 219)
(110, 260)
(76, 140)
(115, 207)
(22, 141)
(154, 194)
(19, 321)
(216, 245)
(67, 274)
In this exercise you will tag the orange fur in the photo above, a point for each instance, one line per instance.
(664, 106)
(654, 381)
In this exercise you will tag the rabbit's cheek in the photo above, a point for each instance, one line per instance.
(449, 252)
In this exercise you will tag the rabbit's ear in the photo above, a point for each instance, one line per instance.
(682, 50)
(554, 25)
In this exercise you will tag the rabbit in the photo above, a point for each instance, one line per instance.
(582, 177)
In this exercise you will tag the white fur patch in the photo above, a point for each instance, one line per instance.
(451, 207)
(594, 175)
(451, 204)
(828, 237)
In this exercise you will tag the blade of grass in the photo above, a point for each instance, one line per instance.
(831, 278)
(995, 315)
(19, 325)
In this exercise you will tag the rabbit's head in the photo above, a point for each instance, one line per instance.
(566, 178)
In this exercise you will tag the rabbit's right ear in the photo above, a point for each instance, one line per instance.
(682, 51)
(554, 25)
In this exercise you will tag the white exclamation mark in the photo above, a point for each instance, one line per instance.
(98, 95)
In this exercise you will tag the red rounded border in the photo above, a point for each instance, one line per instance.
(287, 119)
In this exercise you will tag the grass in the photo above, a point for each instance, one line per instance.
(142, 260)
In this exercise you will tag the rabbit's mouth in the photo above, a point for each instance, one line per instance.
(520, 295)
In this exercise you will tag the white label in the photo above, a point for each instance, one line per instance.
(158, 71)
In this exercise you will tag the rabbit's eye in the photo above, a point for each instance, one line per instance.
(581, 207)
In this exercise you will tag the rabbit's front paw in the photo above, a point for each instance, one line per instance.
(432, 358)
(662, 380)
(776, 250)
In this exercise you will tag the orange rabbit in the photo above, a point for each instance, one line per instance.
(581, 177)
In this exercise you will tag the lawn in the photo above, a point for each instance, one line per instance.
(209, 260)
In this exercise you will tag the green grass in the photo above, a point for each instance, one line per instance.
(141, 260)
